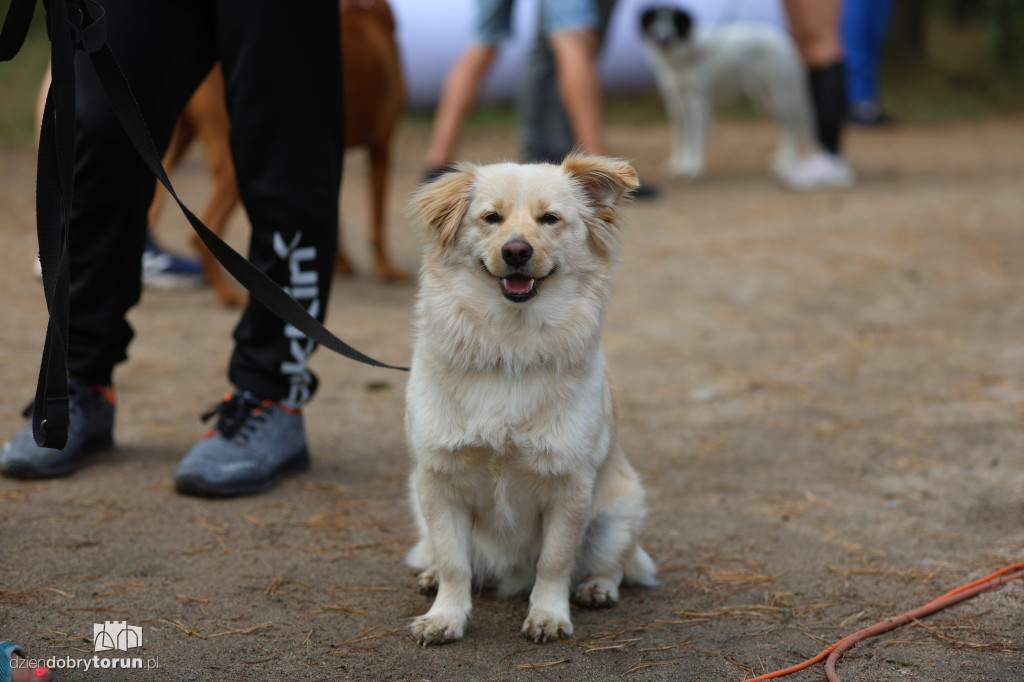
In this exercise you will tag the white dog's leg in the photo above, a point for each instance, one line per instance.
(794, 132)
(448, 522)
(689, 122)
(548, 618)
(674, 109)
(421, 556)
(696, 129)
(787, 101)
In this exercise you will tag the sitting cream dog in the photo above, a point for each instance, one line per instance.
(518, 478)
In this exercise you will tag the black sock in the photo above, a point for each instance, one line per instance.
(828, 95)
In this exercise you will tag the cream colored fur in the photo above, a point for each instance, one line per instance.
(518, 478)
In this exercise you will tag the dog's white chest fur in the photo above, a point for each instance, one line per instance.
(543, 425)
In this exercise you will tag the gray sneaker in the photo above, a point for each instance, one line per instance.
(90, 430)
(253, 446)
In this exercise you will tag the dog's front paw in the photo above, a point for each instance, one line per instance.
(427, 581)
(685, 171)
(546, 626)
(686, 167)
(438, 628)
(597, 592)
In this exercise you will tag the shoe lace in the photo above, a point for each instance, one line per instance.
(237, 413)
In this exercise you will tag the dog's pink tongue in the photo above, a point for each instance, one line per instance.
(518, 284)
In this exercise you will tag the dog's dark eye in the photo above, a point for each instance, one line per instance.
(492, 218)
(549, 219)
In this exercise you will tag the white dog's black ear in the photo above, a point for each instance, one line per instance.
(439, 206)
(605, 181)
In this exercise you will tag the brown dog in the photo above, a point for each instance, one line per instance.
(374, 101)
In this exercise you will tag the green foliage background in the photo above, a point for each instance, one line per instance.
(19, 83)
(1003, 21)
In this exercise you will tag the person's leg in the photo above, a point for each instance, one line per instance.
(575, 53)
(857, 51)
(865, 23)
(815, 28)
(881, 13)
(164, 50)
(464, 79)
(459, 94)
(284, 94)
(544, 125)
(283, 87)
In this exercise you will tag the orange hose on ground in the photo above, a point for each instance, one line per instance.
(952, 597)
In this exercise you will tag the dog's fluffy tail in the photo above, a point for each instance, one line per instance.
(639, 568)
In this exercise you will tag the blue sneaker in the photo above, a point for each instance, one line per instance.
(253, 446)
(91, 415)
(167, 271)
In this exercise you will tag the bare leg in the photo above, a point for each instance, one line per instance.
(815, 28)
(44, 89)
(461, 88)
(580, 85)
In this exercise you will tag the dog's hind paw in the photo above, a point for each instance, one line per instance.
(545, 626)
(438, 628)
(597, 592)
(427, 581)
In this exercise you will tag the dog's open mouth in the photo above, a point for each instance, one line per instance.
(520, 288)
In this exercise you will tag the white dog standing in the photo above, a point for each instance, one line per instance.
(518, 479)
(696, 66)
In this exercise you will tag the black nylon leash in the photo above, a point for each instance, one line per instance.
(81, 24)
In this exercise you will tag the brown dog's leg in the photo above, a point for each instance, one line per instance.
(342, 266)
(380, 157)
(222, 202)
(206, 111)
(183, 135)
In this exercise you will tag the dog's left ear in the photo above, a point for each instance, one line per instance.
(605, 181)
(439, 206)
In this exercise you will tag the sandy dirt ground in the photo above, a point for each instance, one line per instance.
(824, 395)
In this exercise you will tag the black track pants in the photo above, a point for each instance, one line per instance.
(282, 69)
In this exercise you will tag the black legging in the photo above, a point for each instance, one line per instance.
(282, 69)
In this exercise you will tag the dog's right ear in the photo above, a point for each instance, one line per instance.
(440, 205)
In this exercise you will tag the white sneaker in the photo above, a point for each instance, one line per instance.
(820, 170)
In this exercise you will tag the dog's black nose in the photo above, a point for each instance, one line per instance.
(516, 253)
